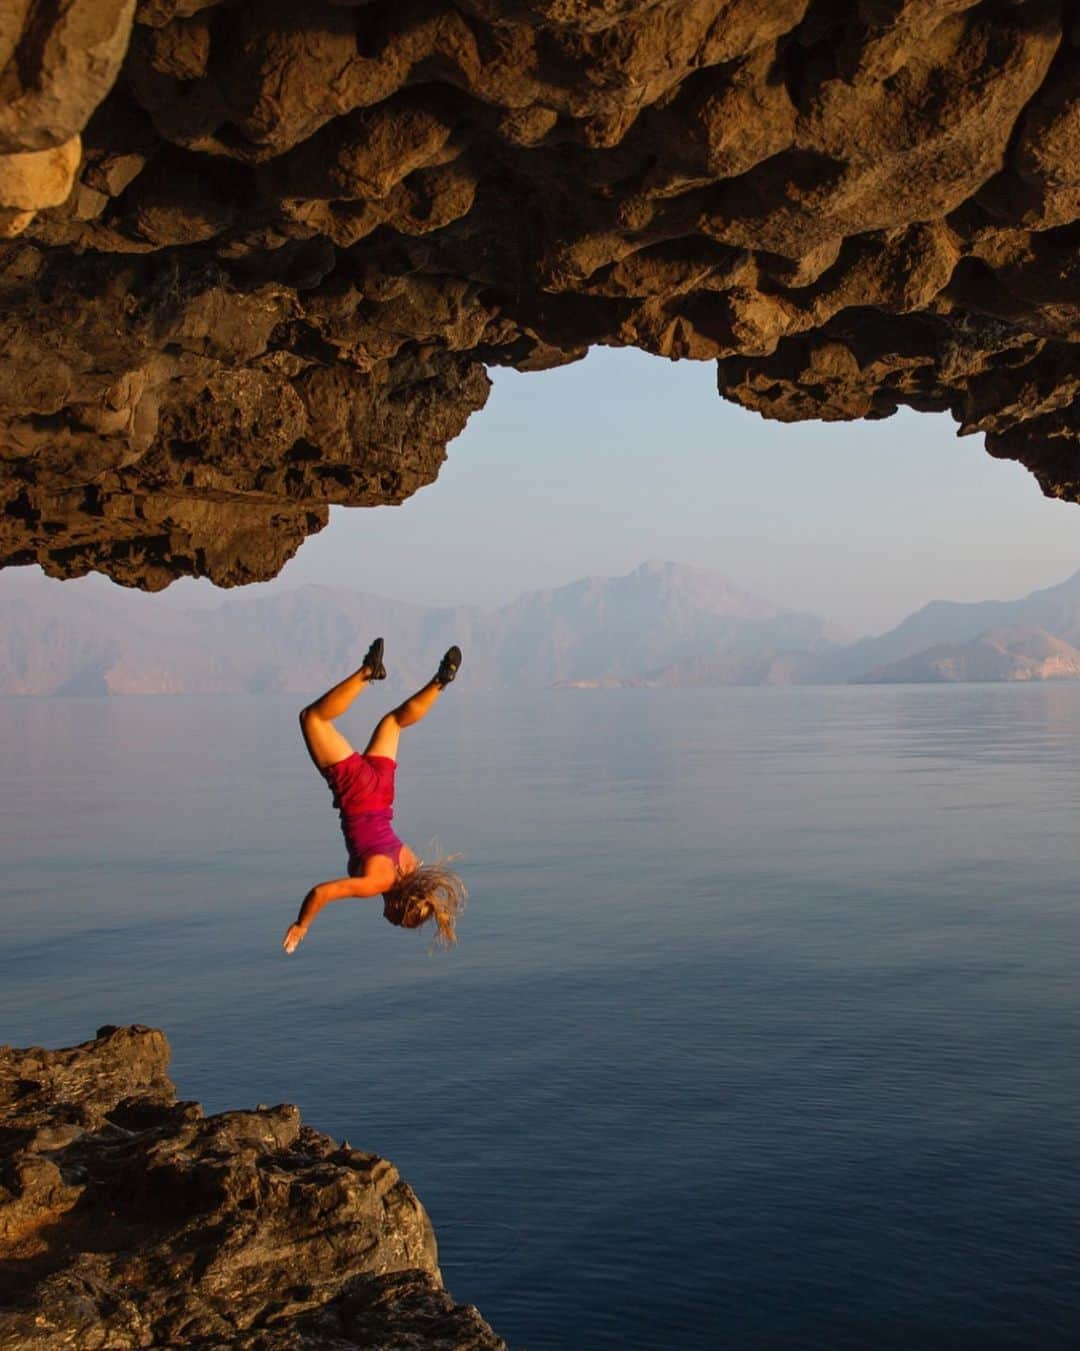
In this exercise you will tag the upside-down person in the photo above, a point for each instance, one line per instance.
(380, 864)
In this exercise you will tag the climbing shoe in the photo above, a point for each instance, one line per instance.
(448, 667)
(373, 662)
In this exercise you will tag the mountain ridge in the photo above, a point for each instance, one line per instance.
(1014, 654)
(88, 641)
(662, 624)
(947, 621)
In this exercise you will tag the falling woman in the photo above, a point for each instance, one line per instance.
(380, 864)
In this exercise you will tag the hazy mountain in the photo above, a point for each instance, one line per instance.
(1056, 610)
(627, 628)
(91, 637)
(662, 624)
(1000, 654)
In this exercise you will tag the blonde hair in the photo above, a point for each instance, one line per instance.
(430, 891)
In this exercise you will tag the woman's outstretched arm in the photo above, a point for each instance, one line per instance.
(322, 895)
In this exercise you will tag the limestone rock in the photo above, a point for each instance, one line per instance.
(37, 178)
(57, 62)
(298, 235)
(131, 1220)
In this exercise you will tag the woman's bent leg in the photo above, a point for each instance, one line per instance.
(325, 743)
(384, 739)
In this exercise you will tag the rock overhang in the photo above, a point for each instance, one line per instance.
(259, 257)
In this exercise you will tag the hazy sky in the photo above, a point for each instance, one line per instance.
(623, 457)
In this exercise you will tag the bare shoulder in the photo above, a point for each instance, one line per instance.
(379, 870)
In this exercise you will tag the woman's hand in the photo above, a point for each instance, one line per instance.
(337, 890)
(294, 936)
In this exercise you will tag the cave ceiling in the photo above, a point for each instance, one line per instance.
(257, 257)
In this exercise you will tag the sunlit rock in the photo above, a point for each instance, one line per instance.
(129, 1219)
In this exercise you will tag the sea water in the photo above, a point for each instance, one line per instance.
(762, 1031)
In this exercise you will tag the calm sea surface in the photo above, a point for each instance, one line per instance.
(763, 1030)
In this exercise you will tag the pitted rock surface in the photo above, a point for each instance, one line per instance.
(260, 255)
(129, 1219)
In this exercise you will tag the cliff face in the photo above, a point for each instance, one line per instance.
(128, 1219)
(260, 254)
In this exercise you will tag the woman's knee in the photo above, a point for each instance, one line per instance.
(310, 722)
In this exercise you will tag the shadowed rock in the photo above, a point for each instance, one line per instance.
(294, 238)
(128, 1219)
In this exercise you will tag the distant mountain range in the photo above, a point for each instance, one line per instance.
(661, 625)
(999, 654)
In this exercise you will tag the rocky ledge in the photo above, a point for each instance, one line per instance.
(259, 255)
(129, 1219)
